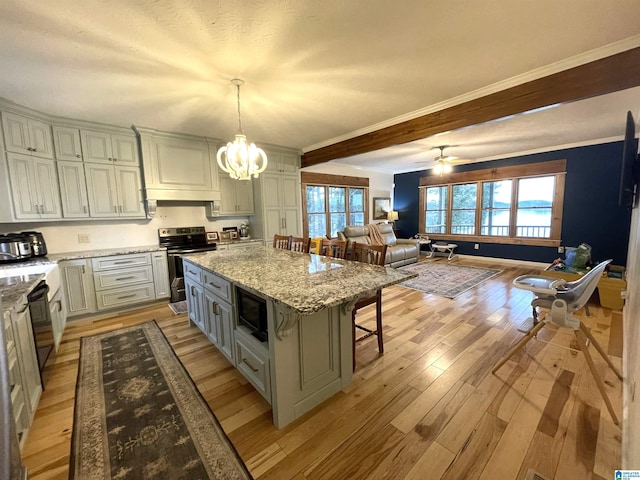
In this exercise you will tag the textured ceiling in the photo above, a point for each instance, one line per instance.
(314, 70)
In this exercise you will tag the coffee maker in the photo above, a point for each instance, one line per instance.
(244, 231)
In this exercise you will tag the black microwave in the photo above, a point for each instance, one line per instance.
(252, 313)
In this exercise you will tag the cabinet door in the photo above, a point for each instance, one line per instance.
(73, 189)
(290, 205)
(125, 150)
(129, 189)
(228, 205)
(211, 320)
(224, 322)
(23, 186)
(244, 197)
(40, 139)
(58, 314)
(27, 359)
(96, 146)
(161, 274)
(66, 142)
(101, 190)
(195, 303)
(77, 280)
(48, 188)
(16, 133)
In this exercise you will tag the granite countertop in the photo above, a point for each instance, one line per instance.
(307, 283)
(105, 252)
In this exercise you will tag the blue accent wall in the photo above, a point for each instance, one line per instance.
(590, 215)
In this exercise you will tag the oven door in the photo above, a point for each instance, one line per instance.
(176, 273)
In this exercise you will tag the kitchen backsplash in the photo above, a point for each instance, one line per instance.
(72, 236)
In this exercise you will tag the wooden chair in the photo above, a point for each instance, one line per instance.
(374, 255)
(281, 242)
(299, 244)
(333, 248)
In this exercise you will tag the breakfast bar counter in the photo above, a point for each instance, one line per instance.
(307, 355)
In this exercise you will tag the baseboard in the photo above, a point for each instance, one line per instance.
(510, 261)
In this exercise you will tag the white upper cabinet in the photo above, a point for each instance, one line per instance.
(178, 167)
(282, 162)
(34, 187)
(73, 189)
(105, 147)
(236, 196)
(27, 135)
(114, 191)
(66, 142)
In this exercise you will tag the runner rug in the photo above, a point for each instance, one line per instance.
(138, 414)
(444, 279)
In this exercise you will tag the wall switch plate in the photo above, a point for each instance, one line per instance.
(83, 238)
(560, 249)
(476, 246)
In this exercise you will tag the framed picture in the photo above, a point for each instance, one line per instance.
(234, 234)
(381, 205)
(212, 237)
(225, 236)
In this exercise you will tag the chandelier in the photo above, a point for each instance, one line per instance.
(241, 160)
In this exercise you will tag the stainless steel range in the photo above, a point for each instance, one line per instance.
(179, 241)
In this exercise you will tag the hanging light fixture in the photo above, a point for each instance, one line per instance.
(239, 159)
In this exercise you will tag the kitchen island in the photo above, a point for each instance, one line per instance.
(307, 357)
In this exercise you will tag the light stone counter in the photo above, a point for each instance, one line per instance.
(14, 289)
(105, 252)
(306, 283)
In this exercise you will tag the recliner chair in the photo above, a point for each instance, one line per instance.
(563, 298)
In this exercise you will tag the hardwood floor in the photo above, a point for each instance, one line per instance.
(429, 408)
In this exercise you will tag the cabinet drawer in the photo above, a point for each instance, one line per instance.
(122, 277)
(120, 261)
(122, 297)
(192, 272)
(253, 364)
(217, 285)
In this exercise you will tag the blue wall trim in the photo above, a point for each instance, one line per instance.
(590, 215)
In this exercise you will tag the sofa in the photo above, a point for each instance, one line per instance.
(399, 251)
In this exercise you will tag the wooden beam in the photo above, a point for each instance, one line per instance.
(610, 74)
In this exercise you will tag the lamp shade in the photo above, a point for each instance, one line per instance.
(392, 215)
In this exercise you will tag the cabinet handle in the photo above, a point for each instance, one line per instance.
(125, 278)
(110, 159)
(59, 302)
(84, 209)
(78, 156)
(213, 285)
(83, 269)
(122, 262)
(115, 159)
(26, 305)
(244, 360)
(126, 296)
(192, 291)
(215, 308)
(115, 209)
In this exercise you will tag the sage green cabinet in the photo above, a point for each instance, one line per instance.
(77, 281)
(73, 189)
(111, 148)
(27, 135)
(34, 187)
(66, 142)
(114, 191)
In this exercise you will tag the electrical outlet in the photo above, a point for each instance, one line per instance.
(560, 249)
(476, 246)
(83, 238)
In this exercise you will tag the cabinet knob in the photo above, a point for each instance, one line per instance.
(78, 156)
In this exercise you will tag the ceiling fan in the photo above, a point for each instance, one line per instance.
(443, 163)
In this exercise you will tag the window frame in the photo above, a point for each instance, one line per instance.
(327, 181)
(555, 168)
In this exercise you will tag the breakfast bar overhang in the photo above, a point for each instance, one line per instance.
(308, 355)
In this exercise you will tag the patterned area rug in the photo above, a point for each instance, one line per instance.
(138, 414)
(444, 279)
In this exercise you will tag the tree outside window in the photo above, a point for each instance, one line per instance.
(331, 208)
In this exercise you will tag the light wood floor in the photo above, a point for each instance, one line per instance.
(429, 408)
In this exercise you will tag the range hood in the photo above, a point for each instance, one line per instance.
(178, 167)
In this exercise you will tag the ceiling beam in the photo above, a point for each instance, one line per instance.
(609, 74)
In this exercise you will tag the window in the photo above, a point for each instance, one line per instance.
(501, 203)
(463, 209)
(436, 214)
(496, 208)
(329, 208)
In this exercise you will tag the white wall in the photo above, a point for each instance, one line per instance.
(62, 237)
(631, 360)
(380, 184)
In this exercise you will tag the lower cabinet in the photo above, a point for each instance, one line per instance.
(219, 322)
(117, 281)
(253, 361)
(58, 314)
